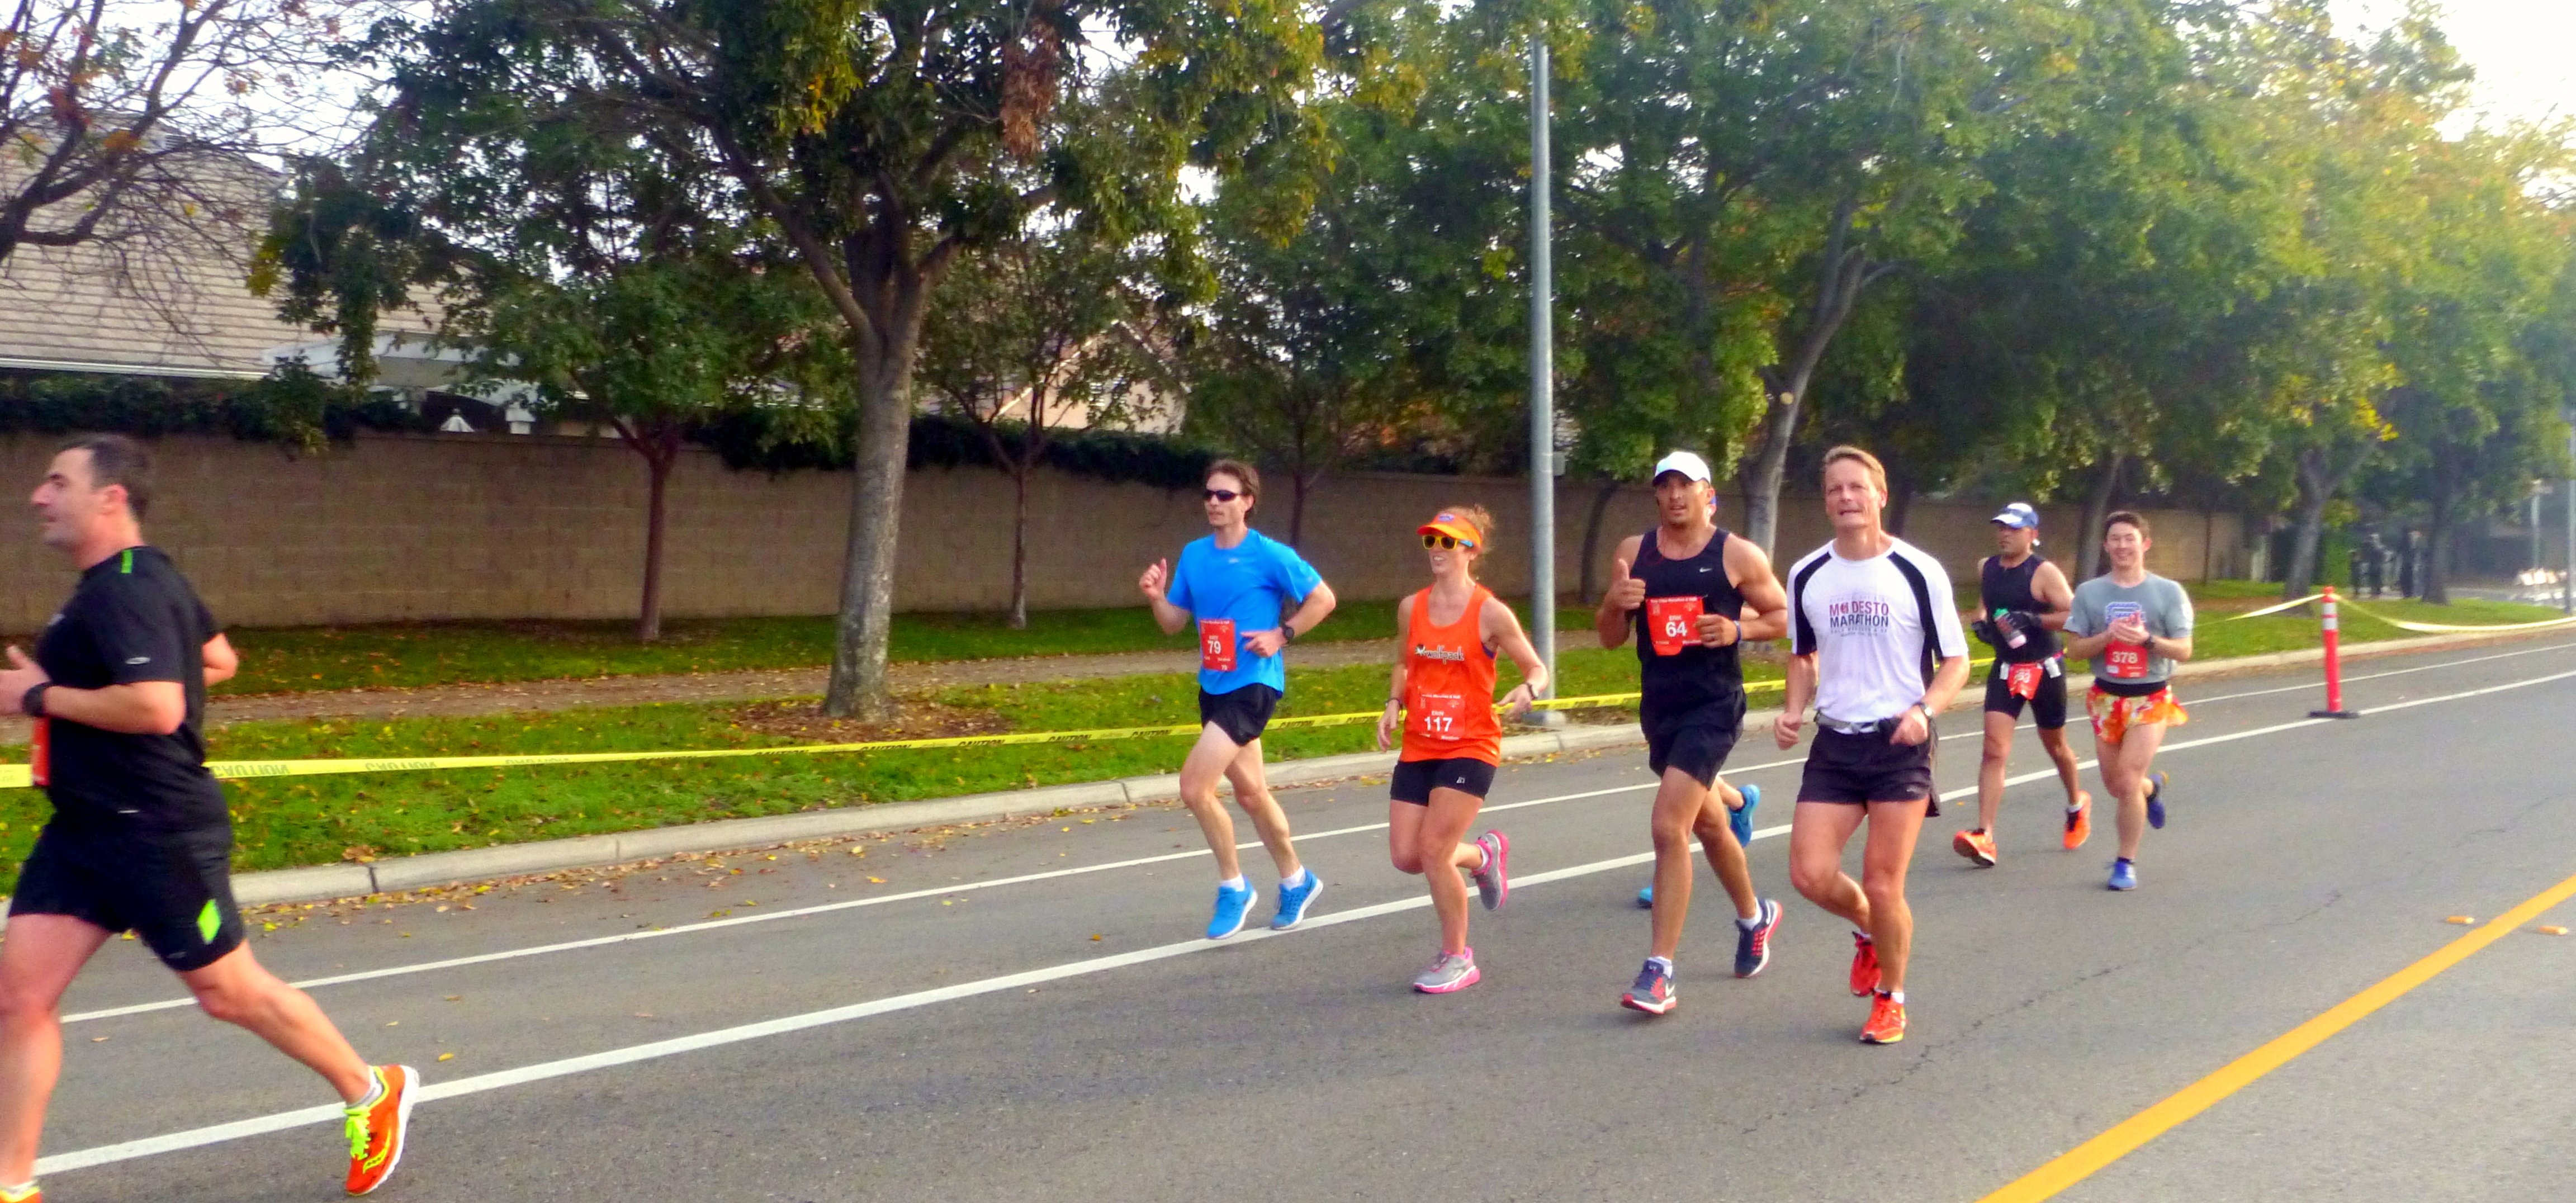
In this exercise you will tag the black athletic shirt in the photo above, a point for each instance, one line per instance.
(2003, 588)
(132, 618)
(1697, 675)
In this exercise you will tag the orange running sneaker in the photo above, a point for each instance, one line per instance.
(1864, 965)
(376, 1129)
(2079, 822)
(25, 1194)
(1976, 846)
(1886, 1021)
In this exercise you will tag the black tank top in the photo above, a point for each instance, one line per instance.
(1697, 674)
(2001, 588)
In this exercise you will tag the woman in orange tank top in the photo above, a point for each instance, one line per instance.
(1442, 697)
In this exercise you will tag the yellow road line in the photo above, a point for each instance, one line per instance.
(2120, 1141)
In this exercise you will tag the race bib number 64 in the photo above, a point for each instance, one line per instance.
(1672, 623)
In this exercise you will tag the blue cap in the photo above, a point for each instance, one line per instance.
(2018, 516)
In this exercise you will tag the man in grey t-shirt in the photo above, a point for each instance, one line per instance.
(2134, 626)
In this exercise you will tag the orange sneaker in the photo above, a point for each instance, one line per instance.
(1864, 977)
(1886, 1021)
(1976, 846)
(26, 1194)
(2079, 822)
(376, 1130)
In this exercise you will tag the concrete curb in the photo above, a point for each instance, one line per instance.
(581, 852)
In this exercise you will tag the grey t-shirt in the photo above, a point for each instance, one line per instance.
(2161, 603)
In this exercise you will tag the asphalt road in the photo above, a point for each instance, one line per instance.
(1063, 1037)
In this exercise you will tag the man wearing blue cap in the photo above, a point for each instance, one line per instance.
(2024, 601)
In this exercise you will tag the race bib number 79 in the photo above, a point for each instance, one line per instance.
(1216, 644)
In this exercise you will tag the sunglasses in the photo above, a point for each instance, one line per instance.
(1222, 494)
(1446, 542)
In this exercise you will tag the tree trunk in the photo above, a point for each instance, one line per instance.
(2314, 492)
(2435, 574)
(1900, 500)
(1592, 536)
(657, 467)
(858, 684)
(1020, 545)
(1298, 483)
(2096, 508)
(1771, 468)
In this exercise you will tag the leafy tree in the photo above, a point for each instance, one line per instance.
(878, 144)
(1037, 333)
(654, 350)
(130, 126)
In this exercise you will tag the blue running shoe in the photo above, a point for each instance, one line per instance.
(2124, 876)
(1646, 899)
(1653, 993)
(1231, 906)
(1741, 818)
(1753, 944)
(2156, 801)
(1294, 900)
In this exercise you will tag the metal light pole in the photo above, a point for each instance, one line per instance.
(1542, 371)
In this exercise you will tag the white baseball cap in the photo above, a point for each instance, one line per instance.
(1687, 463)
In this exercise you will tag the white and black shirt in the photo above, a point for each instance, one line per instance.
(1878, 628)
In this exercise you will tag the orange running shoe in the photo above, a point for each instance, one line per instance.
(1864, 965)
(27, 1194)
(1976, 846)
(1886, 1021)
(376, 1130)
(2079, 822)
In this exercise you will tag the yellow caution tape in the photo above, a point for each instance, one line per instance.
(2287, 605)
(2437, 628)
(16, 776)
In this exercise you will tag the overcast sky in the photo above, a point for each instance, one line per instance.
(2524, 50)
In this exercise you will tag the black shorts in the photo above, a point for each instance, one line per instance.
(1415, 779)
(1240, 713)
(174, 888)
(1855, 769)
(1696, 741)
(2047, 704)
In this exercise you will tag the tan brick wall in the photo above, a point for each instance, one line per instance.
(469, 526)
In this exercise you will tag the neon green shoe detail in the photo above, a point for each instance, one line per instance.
(209, 921)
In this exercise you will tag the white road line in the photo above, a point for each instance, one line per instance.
(512, 954)
(543, 1070)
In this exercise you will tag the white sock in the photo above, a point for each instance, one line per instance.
(1896, 996)
(374, 1092)
(1235, 882)
(1484, 859)
(1665, 962)
(1302, 877)
(1749, 922)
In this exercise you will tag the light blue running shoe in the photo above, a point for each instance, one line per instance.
(1646, 899)
(1231, 906)
(1294, 901)
(1741, 819)
(2124, 876)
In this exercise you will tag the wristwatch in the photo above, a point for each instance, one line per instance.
(32, 702)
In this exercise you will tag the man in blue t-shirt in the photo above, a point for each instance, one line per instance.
(1237, 583)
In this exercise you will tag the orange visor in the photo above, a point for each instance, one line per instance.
(1446, 523)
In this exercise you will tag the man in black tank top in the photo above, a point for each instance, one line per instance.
(1693, 593)
(2024, 601)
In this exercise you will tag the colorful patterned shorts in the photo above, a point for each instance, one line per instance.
(2113, 715)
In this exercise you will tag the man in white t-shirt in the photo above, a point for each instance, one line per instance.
(1875, 642)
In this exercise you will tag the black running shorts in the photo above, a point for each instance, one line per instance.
(1240, 713)
(1415, 779)
(172, 888)
(1697, 741)
(1856, 769)
(2047, 703)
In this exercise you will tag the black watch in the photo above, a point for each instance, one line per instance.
(32, 702)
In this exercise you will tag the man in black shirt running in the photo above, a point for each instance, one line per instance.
(140, 839)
